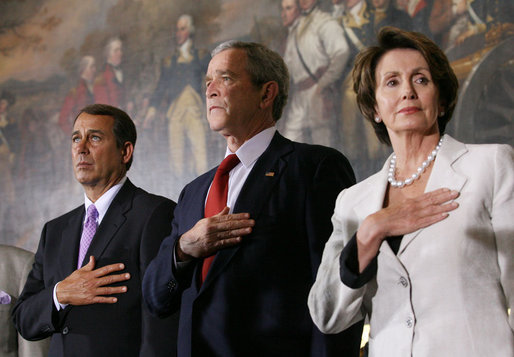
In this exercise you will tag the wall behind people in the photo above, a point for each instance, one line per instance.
(43, 43)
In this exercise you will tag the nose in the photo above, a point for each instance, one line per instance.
(211, 90)
(81, 146)
(409, 92)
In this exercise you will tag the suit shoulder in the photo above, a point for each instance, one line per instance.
(318, 151)
(148, 199)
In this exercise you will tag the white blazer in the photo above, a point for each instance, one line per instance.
(447, 291)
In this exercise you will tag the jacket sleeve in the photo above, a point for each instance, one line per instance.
(333, 174)
(333, 305)
(34, 314)
(162, 286)
(30, 348)
(155, 330)
(501, 219)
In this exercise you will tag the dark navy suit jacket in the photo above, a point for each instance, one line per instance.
(130, 233)
(254, 299)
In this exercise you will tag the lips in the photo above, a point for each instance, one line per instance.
(84, 164)
(409, 110)
(214, 107)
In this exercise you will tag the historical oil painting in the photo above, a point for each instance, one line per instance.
(149, 58)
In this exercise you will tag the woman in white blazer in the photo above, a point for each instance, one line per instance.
(425, 247)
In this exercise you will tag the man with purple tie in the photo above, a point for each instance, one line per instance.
(84, 289)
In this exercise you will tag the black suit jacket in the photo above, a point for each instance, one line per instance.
(254, 299)
(130, 233)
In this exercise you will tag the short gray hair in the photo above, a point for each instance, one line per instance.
(263, 65)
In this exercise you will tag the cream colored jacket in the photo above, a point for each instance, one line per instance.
(447, 291)
(15, 265)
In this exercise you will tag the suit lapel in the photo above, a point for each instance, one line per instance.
(443, 175)
(255, 192)
(372, 199)
(113, 220)
(70, 242)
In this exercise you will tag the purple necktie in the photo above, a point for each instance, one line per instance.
(87, 233)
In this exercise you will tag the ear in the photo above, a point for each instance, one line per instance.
(269, 92)
(126, 152)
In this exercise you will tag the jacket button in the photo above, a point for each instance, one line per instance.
(409, 322)
(404, 282)
(65, 330)
(172, 285)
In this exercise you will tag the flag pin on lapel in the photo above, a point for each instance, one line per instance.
(270, 174)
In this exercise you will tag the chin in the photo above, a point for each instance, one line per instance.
(216, 124)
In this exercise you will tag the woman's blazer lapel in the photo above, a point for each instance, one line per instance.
(443, 175)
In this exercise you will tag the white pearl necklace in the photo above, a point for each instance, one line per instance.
(419, 170)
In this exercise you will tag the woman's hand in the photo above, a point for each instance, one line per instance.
(401, 218)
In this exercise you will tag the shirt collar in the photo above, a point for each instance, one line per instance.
(102, 204)
(253, 148)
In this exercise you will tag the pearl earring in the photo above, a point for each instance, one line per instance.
(377, 120)
(441, 114)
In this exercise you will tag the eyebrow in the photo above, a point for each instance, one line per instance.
(90, 131)
(415, 70)
(220, 73)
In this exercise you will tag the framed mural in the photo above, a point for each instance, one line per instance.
(149, 57)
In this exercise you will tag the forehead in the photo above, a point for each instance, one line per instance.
(182, 24)
(232, 60)
(401, 60)
(115, 45)
(88, 122)
(289, 4)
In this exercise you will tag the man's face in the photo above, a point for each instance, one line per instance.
(351, 3)
(96, 158)
(289, 12)
(380, 4)
(306, 4)
(115, 54)
(3, 105)
(182, 33)
(89, 71)
(233, 102)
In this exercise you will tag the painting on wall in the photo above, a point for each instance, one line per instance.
(149, 58)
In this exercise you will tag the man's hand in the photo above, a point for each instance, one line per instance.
(87, 286)
(214, 233)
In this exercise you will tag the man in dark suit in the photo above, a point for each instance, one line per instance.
(267, 246)
(92, 305)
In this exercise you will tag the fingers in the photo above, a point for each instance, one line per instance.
(438, 196)
(111, 279)
(108, 269)
(228, 242)
(90, 265)
(223, 215)
(213, 233)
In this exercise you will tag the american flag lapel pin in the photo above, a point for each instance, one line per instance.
(270, 174)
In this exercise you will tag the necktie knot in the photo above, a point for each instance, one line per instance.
(228, 164)
(92, 213)
(88, 232)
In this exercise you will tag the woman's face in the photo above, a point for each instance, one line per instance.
(407, 98)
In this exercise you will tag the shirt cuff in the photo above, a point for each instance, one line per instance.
(349, 266)
(179, 266)
(57, 304)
